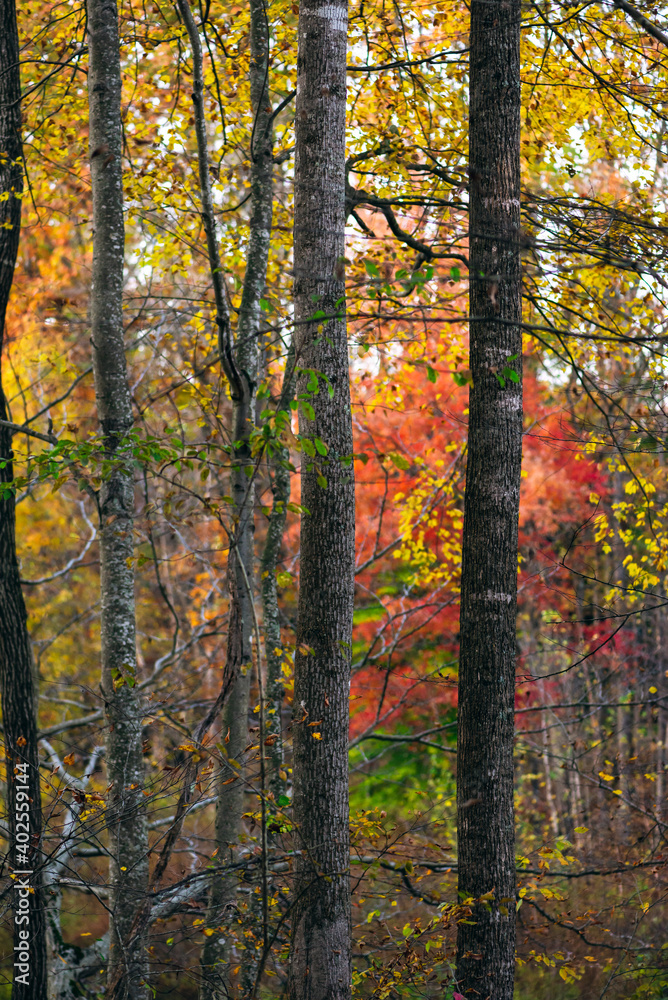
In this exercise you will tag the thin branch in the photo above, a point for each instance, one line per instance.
(643, 21)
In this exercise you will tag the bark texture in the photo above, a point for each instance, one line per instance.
(320, 962)
(279, 469)
(126, 812)
(242, 552)
(486, 947)
(17, 680)
(239, 361)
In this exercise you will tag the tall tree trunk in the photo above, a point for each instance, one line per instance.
(242, 553)
(486, 857)
(126, 812)
(549, 793)
(280, 487)
(17, 680)
(320, 956)
(240, 364)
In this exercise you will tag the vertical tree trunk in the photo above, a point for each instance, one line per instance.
(17, 680)
(126, 813)
(242, 553)
(486, 857)
(280, 487)
(549, 793)
(320, 957)
(240, 364)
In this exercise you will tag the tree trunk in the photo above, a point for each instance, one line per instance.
(486, 858)
(240, 364)
(549, 793)
(126, 812)
(278, 464)
(320, 957)
(17, 680)
(242, 552)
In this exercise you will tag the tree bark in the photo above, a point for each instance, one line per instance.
(17, 679)
(126, 812)
(549, 792)
(278, 463)
(320, 956)
(240, 365)
(241, 569)
(486, 945)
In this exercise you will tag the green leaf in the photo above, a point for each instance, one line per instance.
(371, 269)
(308, 447)
(322, 481)
(399, 460)
(321, 446)
(455, 273)
(283, 800)
(297, 508)
(459, 378)
(309, 412)
(431, 374)
(372, 614)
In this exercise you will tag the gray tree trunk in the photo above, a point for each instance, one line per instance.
(240, 364)
(320, 955)
(486, 856)
(279, 469)
(126, 812)
(241, 569)
(17, 680)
